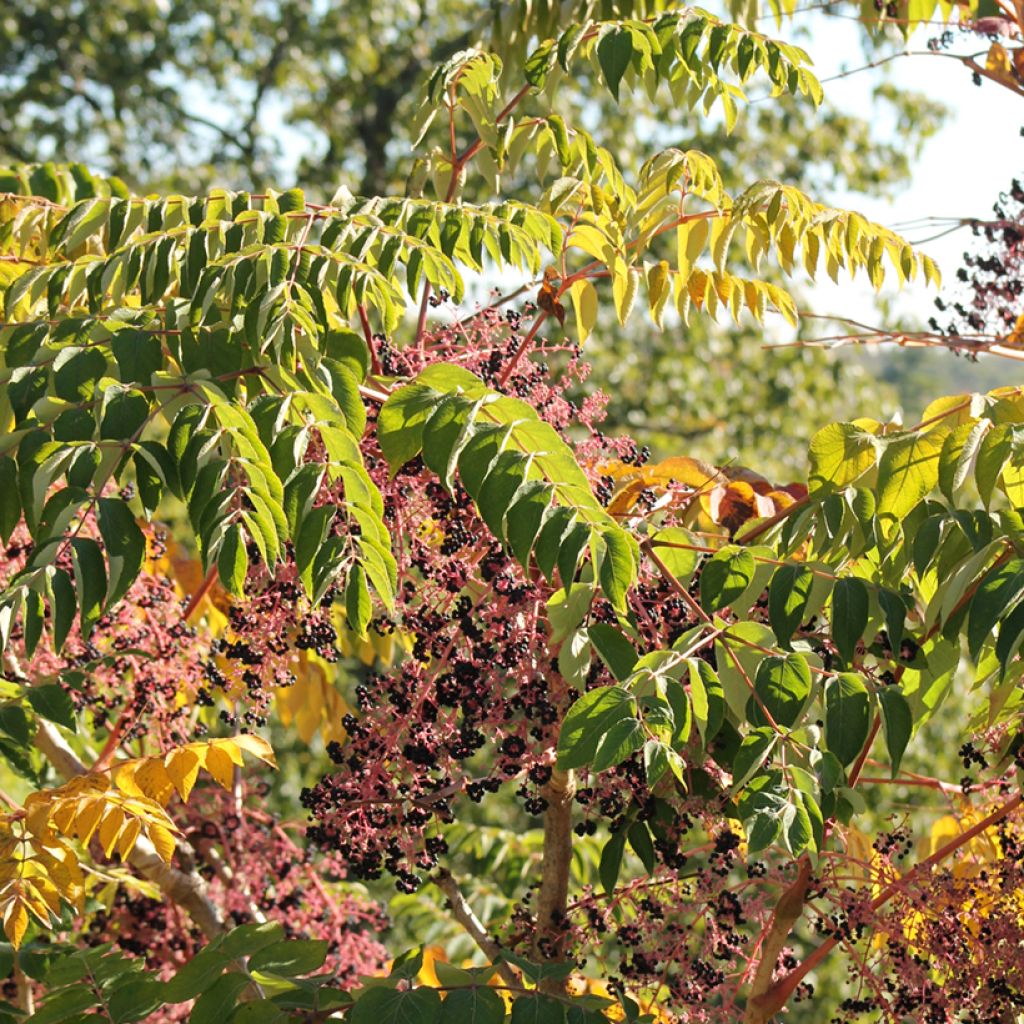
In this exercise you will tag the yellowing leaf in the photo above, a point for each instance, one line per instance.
(220, 766)
(182, 768)
(163, 842)
(998, 63)
(257, 746)
(584, 304)
(625, 282)
(907, 471)
(840, 453)
(15, 923)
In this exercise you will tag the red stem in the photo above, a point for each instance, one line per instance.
(776, 998)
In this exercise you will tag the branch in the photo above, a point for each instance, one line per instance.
(463, 913)
(776, 998)
(553, 897)
(787, 913)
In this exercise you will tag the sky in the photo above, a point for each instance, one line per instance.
(961, 171)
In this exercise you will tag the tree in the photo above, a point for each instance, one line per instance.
(244, 96)
(675, 677)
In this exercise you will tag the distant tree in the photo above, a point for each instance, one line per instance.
(642, 730)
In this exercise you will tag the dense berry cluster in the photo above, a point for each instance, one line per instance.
(141, 668)
(992, 303)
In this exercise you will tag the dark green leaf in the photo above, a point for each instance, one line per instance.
(615, 649)
(849, 615)
(783, 685)
(478, 1005)
(537, 1008)
(899, 724)
(50, 701)
(135, 1000)
(788, 598)
(847, 716)
(10, 503)
(397, 1006)
(611, 861)
(125, 545)
(197, 975)
(214, 1006)
(614, 53)
(232, 561)
(90, 581)
(725, 576)
(291, 958)
(620, 742)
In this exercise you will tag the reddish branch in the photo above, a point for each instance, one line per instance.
(774, 999)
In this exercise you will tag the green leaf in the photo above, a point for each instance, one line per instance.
(478, 1005)
(707, 699)
(197, 975)
(617, 568)
(849, 615)
(620, 742)
(1000, 590)
(615, 649)
(797, 828)
(124, 413)
(673, 546)
(250, 938)
(788, 597)
(783, 685)
(358, 606)
(614, 53)
(14, 722)
(90, 581)
(216, 1003)
(839, 454)
(660, 758)
(847, 716)
(537, 1008)
(907, 472)
(232, 561)
(588, 720)
(755, 747)
(898, 722)
(135, 1000)
(50, 701)
(725, 576)
(611, 861)
(290, 958)
(64, 606)
(125, 545)
(10, 503)
(396, 1006)
(76, 371)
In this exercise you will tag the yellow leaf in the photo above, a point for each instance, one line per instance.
(153, 780)
(126, 841)
(231, 747)
(163, 842)
(584, 304)
(110, 829)
(182, 769)
(86, 819)
(625, 282)
(691, 238)
(658, 289)
(257, 746)
(15, 923)
(220, 766)
(999, 65)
